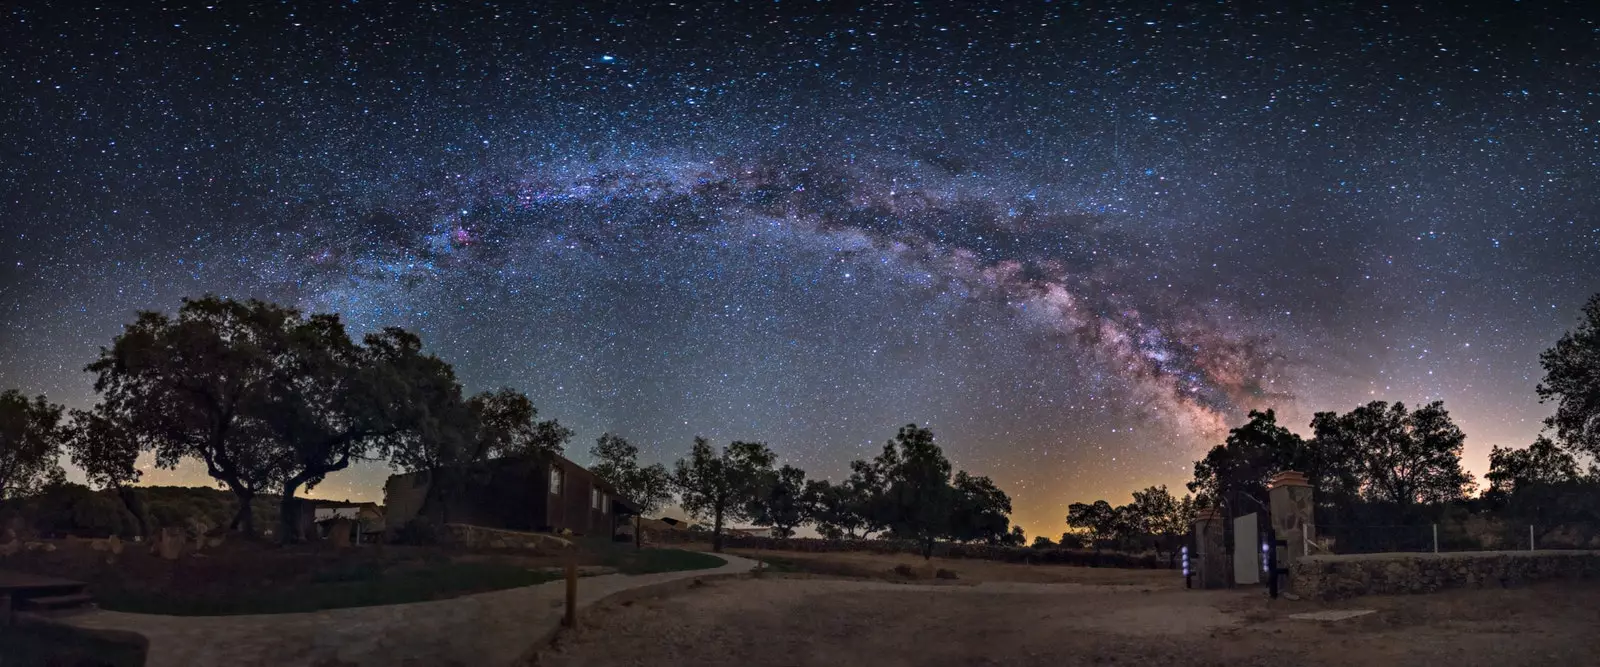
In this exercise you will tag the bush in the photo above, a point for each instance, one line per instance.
(419, 531)
(945, 574)
(98, 516)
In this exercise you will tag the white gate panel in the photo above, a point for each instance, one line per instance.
(1246, 553)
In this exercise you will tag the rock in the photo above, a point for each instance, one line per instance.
(169, 543)
(339, 532)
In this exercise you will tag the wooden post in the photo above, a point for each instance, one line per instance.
(571, 619)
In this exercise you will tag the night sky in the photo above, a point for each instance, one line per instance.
(1078, 243)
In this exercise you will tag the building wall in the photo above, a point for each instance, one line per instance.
(515, 496)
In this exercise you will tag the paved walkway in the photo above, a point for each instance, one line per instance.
(491, 629)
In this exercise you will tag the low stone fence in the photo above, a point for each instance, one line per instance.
(478, 537)
(1334, 576)
(1054, 556)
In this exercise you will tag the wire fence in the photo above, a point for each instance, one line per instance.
(1454, 536)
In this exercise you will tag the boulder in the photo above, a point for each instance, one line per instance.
(169, 543)
(339, 532)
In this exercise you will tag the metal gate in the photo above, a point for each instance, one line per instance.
(1246, 553)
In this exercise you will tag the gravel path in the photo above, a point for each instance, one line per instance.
(495, 628)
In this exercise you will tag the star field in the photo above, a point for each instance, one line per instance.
(1079, 243)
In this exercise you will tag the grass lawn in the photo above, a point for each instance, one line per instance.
(362, 586)
(37, 645)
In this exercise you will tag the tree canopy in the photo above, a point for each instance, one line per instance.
(781, 501)
(720, 486)
(194, 386)
(107, 450)
(1542, 463)
(30, 440)
(1235, 473)
(918, 500)
(1572, 382)
(980, 511)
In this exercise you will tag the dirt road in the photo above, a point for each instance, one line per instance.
(806, 621)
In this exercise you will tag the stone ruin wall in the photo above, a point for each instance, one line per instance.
(1331, 577)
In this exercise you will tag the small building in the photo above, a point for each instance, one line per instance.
(546, 493)
(365, 520)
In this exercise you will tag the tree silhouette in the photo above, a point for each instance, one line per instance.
(720, 486)
(1410, 457)
(1541, 464)
(649, 487)
(838, 510)
(1155, 513)
(1016, 538)
(440, 435)
(192, 387)
(1235, 473)
(508, 425)
(30, 440)
(781, 501)
(918, 501)
(1102, 520)
(1572, 381)
(107, 449)
(980, 510)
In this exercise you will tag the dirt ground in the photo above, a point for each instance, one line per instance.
(807, 620)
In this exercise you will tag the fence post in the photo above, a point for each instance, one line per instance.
(1436, 538)
(571, 618)
(1530, 537)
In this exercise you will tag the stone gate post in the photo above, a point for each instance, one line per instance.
(1293, 514)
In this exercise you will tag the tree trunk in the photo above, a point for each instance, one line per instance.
(638, 531)
(244, 519)
(716, 530)
(289, 526)
(130, 499)
(434, 501)
(927, 548)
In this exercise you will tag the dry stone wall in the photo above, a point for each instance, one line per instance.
(478, 537)
(1330, 577)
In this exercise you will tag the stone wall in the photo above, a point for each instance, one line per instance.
(944, 549)
(478, 537)
(1331, 576)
